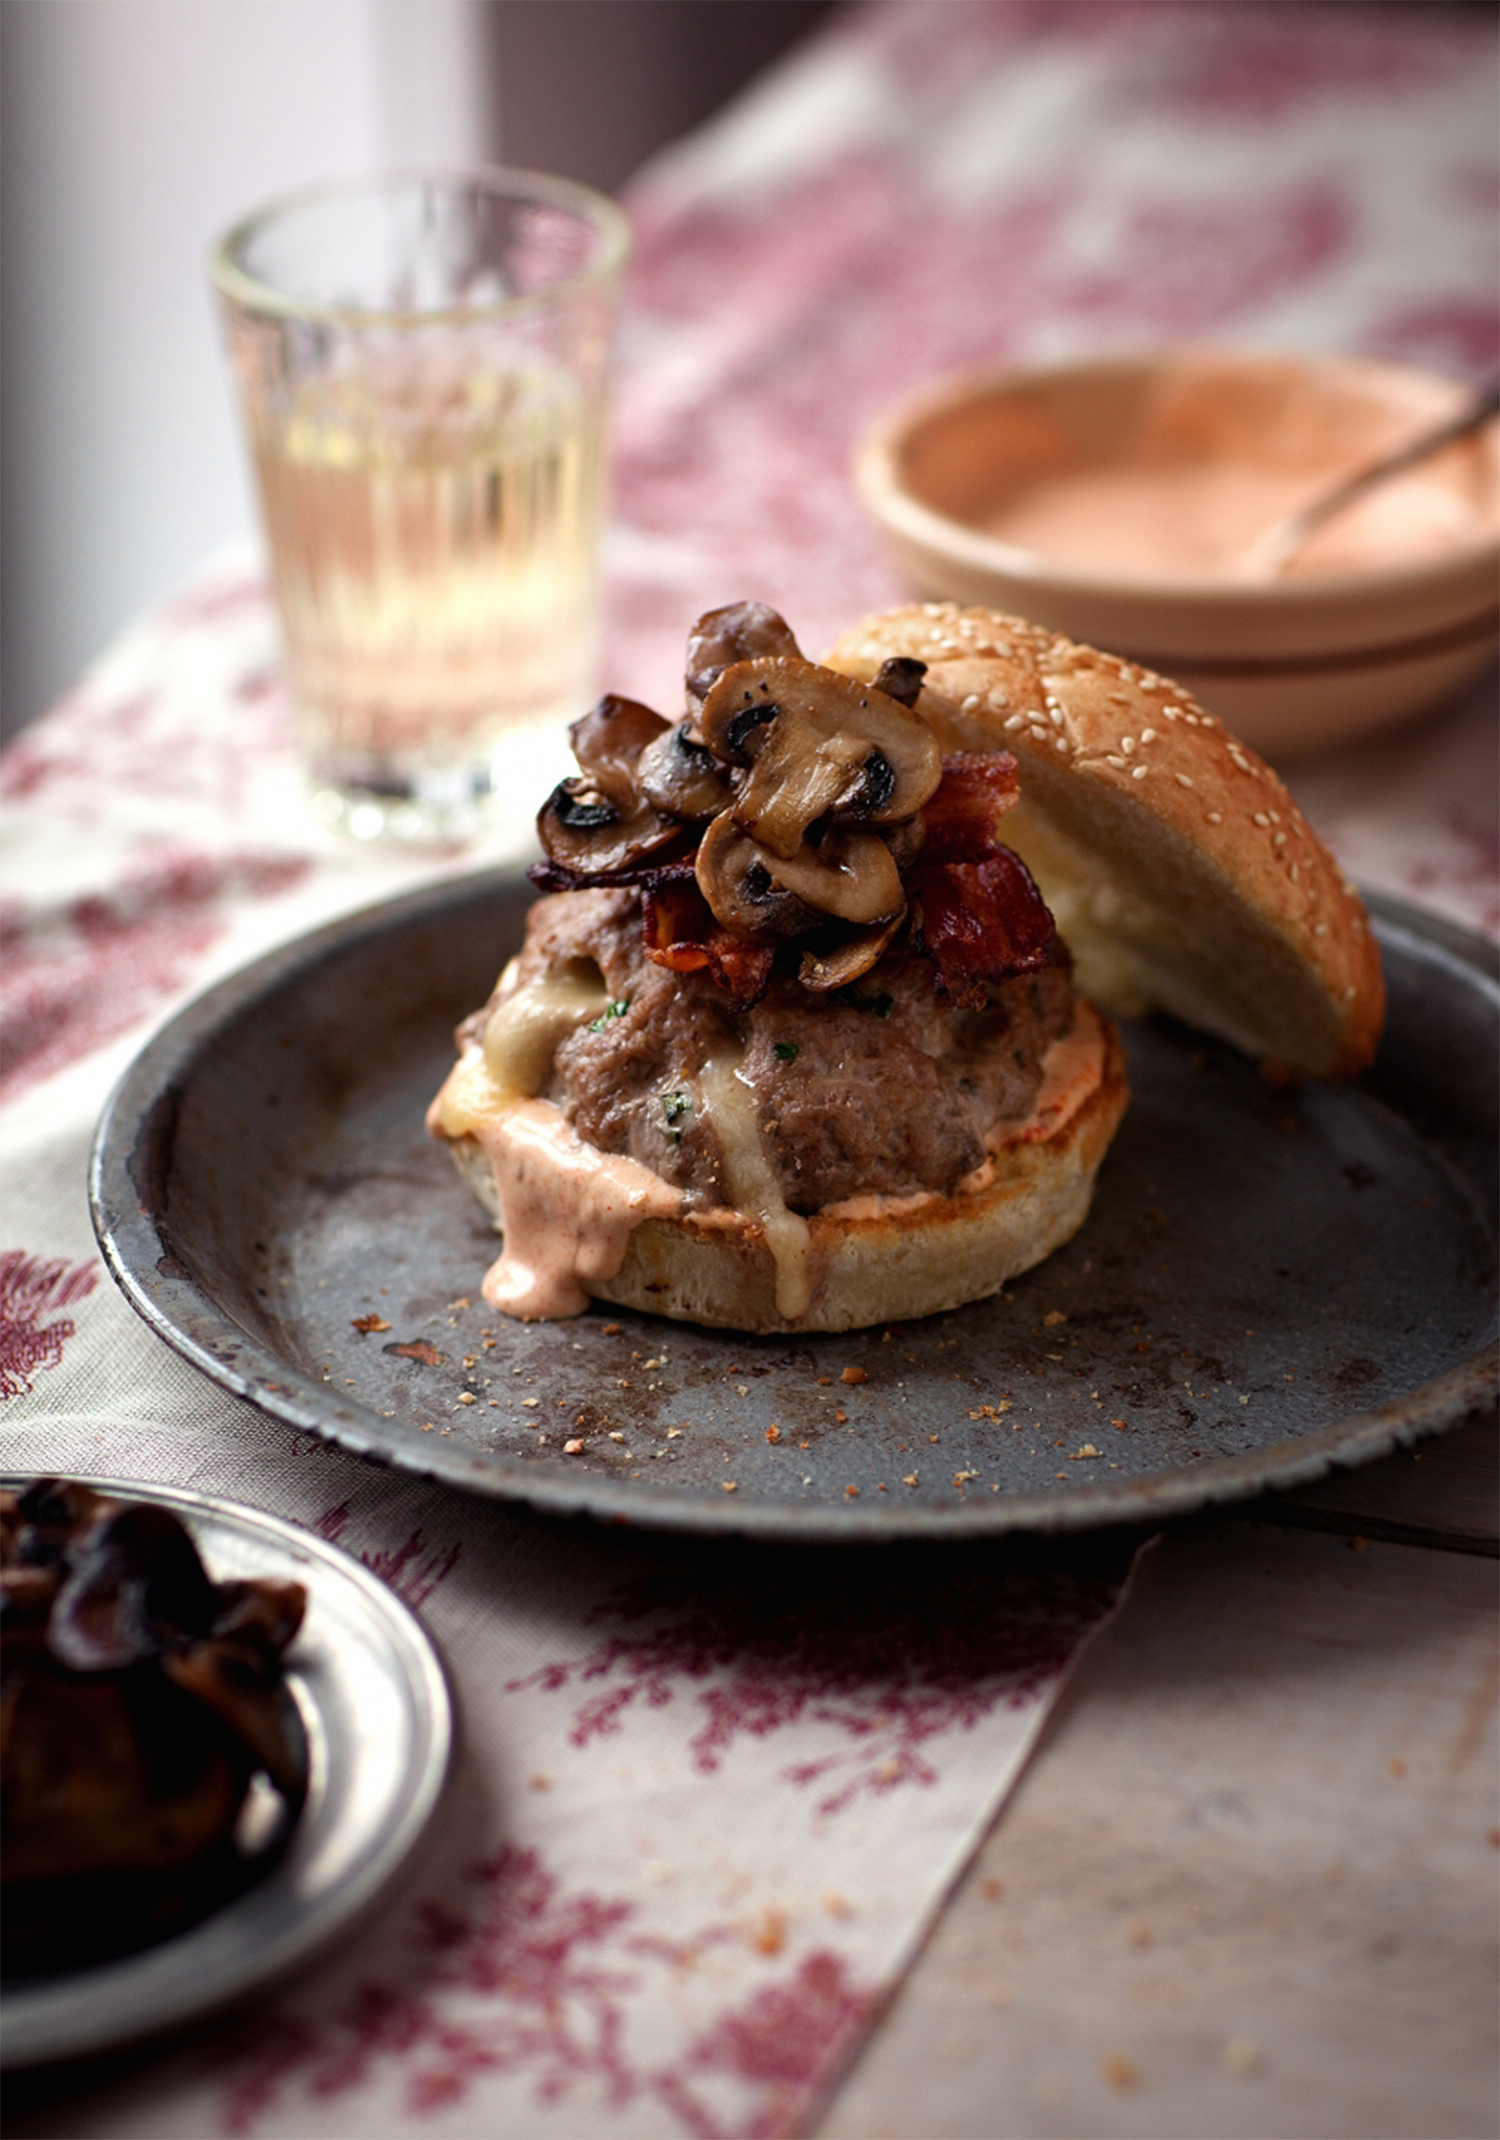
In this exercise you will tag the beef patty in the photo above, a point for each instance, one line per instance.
(878, 1090)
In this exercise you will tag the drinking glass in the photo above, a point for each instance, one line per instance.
(422, 363)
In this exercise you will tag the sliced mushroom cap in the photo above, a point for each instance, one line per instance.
(849, 960)
(817, 743)
(608, 741)
(906, 841)
(244, 1693)
(586, 832)
(681, 778)
(263, 1613)
(135, 1583)
(851, 877)
(743, 896)
(599, 821)
(738, 632)
(45, 1518)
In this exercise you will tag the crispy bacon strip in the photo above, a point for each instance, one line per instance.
(980, 923)
(976, 790)
(680, 933)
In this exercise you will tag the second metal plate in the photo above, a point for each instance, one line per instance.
(375, 1708)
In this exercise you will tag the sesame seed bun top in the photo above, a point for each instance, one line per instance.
(1180, 871)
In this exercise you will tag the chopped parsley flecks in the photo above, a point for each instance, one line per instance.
(617, 1009)
(785, 1051)
(674, 1105)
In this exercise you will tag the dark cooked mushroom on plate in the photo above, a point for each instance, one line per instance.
(153, 1759)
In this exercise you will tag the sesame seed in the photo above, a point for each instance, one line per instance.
(1216, 817)
(1117, 763)
(971, 703)
(1054, 713)
(1138, 772)
(1148, 735)
(1184, 781)
(1278, 839)
(1293, 872)
(1260, 818)
(1275, 816)
(1320, 928)
(1017, 720)
(1127, 744)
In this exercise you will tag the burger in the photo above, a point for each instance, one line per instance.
(798, 1041)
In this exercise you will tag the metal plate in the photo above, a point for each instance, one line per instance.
(376, 1711)
(1270, 1284)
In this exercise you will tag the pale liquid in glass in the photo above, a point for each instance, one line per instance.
(435, 535)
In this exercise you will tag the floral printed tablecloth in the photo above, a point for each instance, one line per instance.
(709, 1802)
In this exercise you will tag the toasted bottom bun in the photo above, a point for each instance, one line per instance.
(898, 1259)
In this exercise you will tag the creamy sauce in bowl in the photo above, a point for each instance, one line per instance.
(1195, 520)
(1170, 470)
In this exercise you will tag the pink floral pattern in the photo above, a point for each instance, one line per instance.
(890, 1679)
(1473, 864)
(31, 1288)
(555, 1971)
(414, 1569)
(78, 976)
(1228, 65)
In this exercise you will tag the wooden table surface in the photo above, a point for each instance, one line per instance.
(1247, 1886)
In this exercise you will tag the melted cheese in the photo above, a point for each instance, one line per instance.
(727, 1101)
(520, 1042)
(567, 1211)
(526, 1026)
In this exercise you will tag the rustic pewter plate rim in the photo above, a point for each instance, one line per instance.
(169, 1299)
(284, 1920)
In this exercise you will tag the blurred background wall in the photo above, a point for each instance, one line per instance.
(131, 131)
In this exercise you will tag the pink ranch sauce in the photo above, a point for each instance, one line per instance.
(567, 1211)
(1212, 461)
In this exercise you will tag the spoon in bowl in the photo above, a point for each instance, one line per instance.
(1273, 551)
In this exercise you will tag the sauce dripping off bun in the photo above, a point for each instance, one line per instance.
(794, 1042)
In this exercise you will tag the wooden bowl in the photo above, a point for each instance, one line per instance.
(1146, 477)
